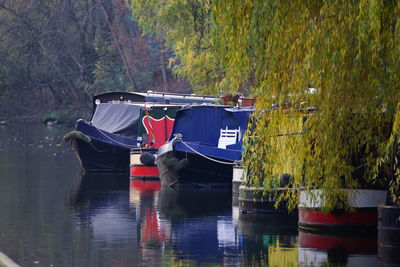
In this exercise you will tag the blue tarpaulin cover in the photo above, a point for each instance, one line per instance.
(200, 127)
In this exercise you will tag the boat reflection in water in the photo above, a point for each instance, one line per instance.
(201, 224)
(101, 202)
(205, 228)
(139, 222)
(270, 238)
(152, 233)
(98, 186)
(338, 250)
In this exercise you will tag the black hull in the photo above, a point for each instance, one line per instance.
(192, 169)
(255, 200)
(98, 156)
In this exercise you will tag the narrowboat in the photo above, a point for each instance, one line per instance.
(205, 143)
(142, 164)
(362, 217)
(122, 121)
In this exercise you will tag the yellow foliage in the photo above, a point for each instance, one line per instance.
(348, 51)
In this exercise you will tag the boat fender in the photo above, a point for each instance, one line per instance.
(147, 159)
(181, 164)
(174, 164)
(77, 135)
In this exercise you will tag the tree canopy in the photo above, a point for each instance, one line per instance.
(340, 59)
(191, 30)
(56, 54)
(348, 53)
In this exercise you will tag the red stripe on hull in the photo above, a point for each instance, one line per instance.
(144, 171)
(325, 242)
(145, 185)
(359, 216)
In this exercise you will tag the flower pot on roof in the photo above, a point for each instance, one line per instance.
(247, 101)
(230, 99)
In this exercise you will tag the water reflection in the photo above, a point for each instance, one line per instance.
(270, 238)
(337, 250)
(97, 188)
(197, 218)
(102, 200)
(200, 227)
(53, 216)
(191, 227)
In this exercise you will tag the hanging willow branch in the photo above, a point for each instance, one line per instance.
(349, 52)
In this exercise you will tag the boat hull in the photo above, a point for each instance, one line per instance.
(144, 173)
(97, 156)
(362, 217)
(192, 169)
(255, 200)
(100, 151)
(317, 220)
(140, 171)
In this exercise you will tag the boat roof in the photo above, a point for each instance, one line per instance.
(161, 98)
(203, 123)
(150, 96)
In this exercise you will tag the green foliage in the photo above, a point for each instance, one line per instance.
(349, 51)
(109, 73)
(188, 28)
(58, 54)
(51, 116)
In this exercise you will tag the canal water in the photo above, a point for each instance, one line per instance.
(52, 216)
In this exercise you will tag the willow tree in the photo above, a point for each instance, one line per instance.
(188, 29)
(349, 53)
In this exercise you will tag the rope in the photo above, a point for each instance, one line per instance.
(109, 138)
(95, 148)
(149, 122)
(178, 138)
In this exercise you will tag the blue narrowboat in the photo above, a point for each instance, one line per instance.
(205, 142)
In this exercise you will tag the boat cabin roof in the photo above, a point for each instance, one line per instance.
(155, 97)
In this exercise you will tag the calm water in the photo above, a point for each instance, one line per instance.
(51, 216)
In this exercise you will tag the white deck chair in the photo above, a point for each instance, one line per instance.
(228, 137)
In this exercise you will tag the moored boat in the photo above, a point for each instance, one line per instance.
(122, 121)
(257, 200)
(361, 217)
(142, 164)
(205, 143)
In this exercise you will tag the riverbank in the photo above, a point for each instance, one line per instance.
(6, 261)
(66, 115)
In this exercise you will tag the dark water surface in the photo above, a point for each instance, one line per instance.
(50, 216)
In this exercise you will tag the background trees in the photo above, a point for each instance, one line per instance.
(190, 31)
(55, 54)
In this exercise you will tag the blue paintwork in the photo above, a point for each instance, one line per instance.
(211, 151)
(200, 129)
(106, 137)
